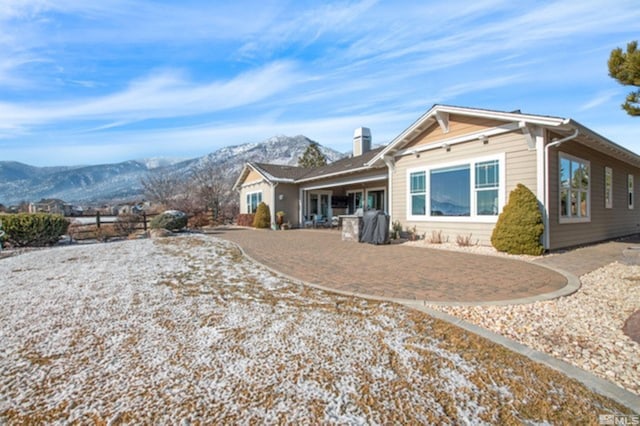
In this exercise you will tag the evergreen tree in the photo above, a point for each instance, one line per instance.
(312, 157)
(625, 68)
(520, 224)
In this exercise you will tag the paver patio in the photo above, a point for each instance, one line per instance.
(320, 257)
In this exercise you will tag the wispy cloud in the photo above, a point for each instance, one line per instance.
(599, 99)
(162, 95)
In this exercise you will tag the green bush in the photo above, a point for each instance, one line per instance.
(172, 220)
(33, 230)
(262, 218)
(520, 224)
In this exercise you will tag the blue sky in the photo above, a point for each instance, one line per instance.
(87, 82)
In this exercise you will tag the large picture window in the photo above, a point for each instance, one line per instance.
(466, 191)
(253, 199)
(450, 195)
(574, 188)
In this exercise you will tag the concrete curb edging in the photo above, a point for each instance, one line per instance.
(590, 380)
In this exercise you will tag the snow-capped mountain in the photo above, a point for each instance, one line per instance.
(122, 181)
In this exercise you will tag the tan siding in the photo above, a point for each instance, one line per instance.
(253, 176)
(605, 223)
(255, 187)
(458, 126)
(520, 165)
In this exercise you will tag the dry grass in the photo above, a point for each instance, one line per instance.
(215, 339)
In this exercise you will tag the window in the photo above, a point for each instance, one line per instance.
(630, 190)
(418, 192)
(253, 199)
(470, 191)
(487, 186)
(574, 188)
(450, 195)
(608, 188)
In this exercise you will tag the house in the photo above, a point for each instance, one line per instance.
(51, 205)
(453, 169)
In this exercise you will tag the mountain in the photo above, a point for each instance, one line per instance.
(108, 183)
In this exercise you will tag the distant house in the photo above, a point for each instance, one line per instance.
(453, 169)
(51, 205)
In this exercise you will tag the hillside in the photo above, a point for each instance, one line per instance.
(121, 181)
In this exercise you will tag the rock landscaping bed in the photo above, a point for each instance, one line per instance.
(187, 330)
(584, 329)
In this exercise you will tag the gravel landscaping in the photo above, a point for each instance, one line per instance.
(186, 330)
(584, 329)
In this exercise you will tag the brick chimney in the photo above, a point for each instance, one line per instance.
(361, 141)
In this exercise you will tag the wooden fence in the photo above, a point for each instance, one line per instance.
(107, 227)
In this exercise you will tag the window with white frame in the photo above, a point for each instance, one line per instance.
(460, 191)
(608, 188)
(253, 199)
(574, 188)
(630, 191)
(449, 191)
(418, 192)
(487, 188)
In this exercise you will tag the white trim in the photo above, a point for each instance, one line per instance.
(473, 216)
(541, 181)
(345, 182)
(631, 191)
(248, 194)
(428, 118)
(365, 167)
(478, 135)
(570, 219)
(443, 120)
(319, 193)
(608, 192)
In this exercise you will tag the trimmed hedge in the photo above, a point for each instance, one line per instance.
(171, 220)
(33, 229)
(520, 224)
(262, 218)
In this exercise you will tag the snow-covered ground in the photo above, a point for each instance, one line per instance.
(185, 329)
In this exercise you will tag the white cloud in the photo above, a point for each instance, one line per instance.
(161, 95)
(600, 99)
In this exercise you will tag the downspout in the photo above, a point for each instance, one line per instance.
(273, 204)
(547, 238)
(390, 168)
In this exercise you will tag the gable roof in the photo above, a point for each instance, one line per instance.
(340, 167)
(294, 174)
(563, 126)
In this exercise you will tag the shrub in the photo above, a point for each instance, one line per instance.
(171, 220)
(437, 237)
(245, 219)
(520, 224)
(35, 230)
(464, 240)
(262, 218)
(127, 224)
(396, 229)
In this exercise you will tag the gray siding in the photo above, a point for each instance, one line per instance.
(605, 223)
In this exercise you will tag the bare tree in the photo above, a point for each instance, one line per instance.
(161, 186)
(213, 187)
